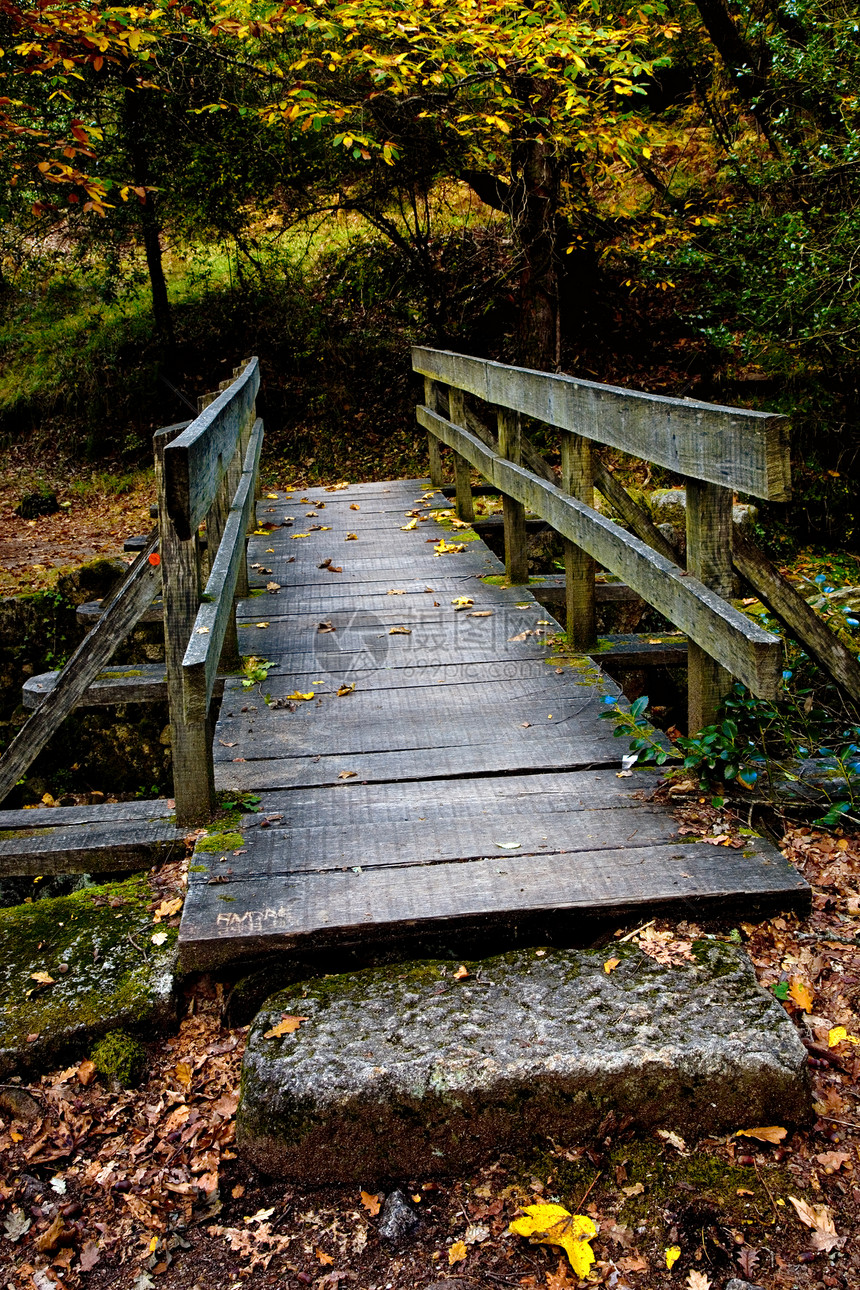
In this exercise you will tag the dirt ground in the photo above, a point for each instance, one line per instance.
(105, 1187)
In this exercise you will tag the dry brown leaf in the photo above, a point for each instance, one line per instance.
(832, 1161)
(184, 1073)
(562, 1278)
(819, 1218)
(347, 774)
(86, 1073)
(286, 1026)
(698, 1281)
(371, 1203)
(400, 631)
(325, 1259)
(770, 1133)
(633, 1263)
(461, 973)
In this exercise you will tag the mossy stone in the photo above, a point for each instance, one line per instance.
(119, 1056)
(96, 946)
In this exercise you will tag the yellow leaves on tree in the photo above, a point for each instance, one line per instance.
(547, 1224)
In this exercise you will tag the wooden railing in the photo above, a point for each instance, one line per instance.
(717, 450)
(206, 473)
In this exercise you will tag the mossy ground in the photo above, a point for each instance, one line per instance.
(96, 946)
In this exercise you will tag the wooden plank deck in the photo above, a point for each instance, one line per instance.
(466, 785)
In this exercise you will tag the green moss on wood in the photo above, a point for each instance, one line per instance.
(220, 842)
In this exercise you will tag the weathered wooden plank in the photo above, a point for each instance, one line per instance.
(363, 806)
(317, 849)
(709, 558)
(577, 478)
(510, 441)
(106, 813)
(196, 460)
(91, 611)
(746, 650)
(203, 653)
(800, 618)
(248, 917)
(91, 656)
(110, 847)
(735, 447)
(142, 683)
(190, 743)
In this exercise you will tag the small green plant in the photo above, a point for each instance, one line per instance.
(119, 1056)
(256, 670)
(247, 802)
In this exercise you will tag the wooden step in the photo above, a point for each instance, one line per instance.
(111, 837)
(136, 683)
(91, 611)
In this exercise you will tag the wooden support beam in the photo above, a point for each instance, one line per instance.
(631, 512)
(577, 478)
(709, 558)
(800, 618)
(514, 513)
(732, 447)
(746, 649)
(431, 398)
(462, 471)
(93, 653)
(190, 742)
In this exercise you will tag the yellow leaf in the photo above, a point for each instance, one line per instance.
(462, 602)
(673, 1254)
(347, 774)
(345, 689)
(261, 624)
(461, 973)
(400, 631)
(770, 1133)
(286, 1026)
(273, 497)
(610, 965)
(167, 909)
(554, 1225)
(839, 1035)
(457, 1253)
(184, 1073)
(371, 1203)
(297, 695)
(42, 978)
(354, 506)
(351, 537)
(801, 993)
(324, 1258)
(413, 524)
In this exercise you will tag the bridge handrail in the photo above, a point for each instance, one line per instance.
(205, 472)
(718, 450)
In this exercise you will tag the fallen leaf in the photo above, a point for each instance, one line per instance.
(635, 1189)
(325, 1259)
(413, 524)
(351, 537)
(184, 1074)
(560, 1279)
(286, 1026)
(770, 1133)
(272, 587)
(89, 1256)
(457, 1253)
(698, 1281)
(461, 973)
(549, 1224)
(819, 1218)
(43, 978)
(300, 697)
(167, 909)
(158, 938)
(325, 627)
(801, 994)
(673, 1139)
(345, 689)
(86, 1072)
(395, 593)
(400, 631)
(354, 506)
(508, 846)
(371, 1203)
(673, 1254)
(481, 613)
(610, 965)
(261, 624)
(833, 1160)
(462, 602)
(633, 1263)
(347, 774)
(839, 1035)
(476, 1233)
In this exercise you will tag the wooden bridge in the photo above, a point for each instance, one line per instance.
(427, 748)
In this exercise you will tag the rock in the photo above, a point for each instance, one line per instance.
(736, 1284)
(454, 1283)
(405, 1071)
(669, 506)
(676, 536)
(399, 1221)
(32, 505)
(18, 1103)
(745, 516)
(115, 977)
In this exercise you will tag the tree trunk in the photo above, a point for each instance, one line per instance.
(534, 198)
(138, 155)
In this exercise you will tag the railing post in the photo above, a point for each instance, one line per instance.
(462, 469)
(577, 478)
(709, 558)
(190, 742)
(431, 399)
(509, 425)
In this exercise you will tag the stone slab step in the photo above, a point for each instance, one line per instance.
(407, 1071)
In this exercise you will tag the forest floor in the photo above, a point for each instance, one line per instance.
(144, 1188)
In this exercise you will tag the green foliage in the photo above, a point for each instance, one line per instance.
(256, 670)
(119, 1056)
